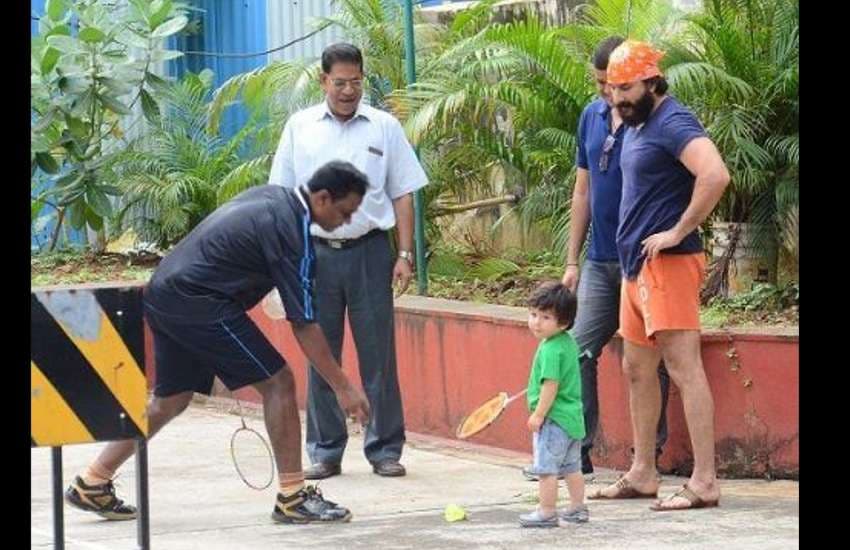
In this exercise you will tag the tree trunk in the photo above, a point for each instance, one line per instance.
(97, 240)
(734, 251)
(445, 209)
(60, 217)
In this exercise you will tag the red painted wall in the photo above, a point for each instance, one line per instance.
(452, 356)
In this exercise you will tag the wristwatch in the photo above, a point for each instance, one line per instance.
(407, 255)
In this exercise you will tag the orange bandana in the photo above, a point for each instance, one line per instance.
(633, 61)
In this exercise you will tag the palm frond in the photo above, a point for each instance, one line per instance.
(247, 174)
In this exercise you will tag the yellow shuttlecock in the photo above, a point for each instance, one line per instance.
(454, 513)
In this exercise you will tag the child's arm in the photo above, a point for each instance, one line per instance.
(548, 391)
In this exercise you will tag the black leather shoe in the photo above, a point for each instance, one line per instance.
(389, 468)
(322, 470)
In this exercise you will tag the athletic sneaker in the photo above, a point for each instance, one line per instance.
(99, 499)
(306, 506)
(580, 514)
(535, 519)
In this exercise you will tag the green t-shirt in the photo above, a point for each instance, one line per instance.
(557, 359)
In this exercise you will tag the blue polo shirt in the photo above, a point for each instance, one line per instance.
(657, 187)
(605, 187)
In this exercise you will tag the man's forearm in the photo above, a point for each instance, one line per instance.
(579, 215)
(579, 221)
(314, 345)
(403, 207)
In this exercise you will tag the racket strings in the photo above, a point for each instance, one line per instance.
(234, 454)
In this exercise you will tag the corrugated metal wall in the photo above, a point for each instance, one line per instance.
(249, 26)
(288, 20)
(227, 26)
(36, 9)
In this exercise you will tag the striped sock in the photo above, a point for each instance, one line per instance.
(291, 483)
(97, 474)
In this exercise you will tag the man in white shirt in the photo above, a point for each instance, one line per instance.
(355, 264)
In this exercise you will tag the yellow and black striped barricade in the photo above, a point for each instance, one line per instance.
(88, 380)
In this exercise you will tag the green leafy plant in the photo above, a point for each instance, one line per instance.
(91, 64)
(737, 64)
(178, 172)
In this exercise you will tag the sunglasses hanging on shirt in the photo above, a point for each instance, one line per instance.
(607, 147)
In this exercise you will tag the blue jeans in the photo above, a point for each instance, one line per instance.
(597, 320)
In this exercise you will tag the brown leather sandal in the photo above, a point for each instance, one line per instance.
(624, 491)
(694, 501)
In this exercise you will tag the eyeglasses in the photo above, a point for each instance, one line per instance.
(340, 83)
(607, 147)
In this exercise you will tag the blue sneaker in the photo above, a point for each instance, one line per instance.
(579, 514)
(535, 519)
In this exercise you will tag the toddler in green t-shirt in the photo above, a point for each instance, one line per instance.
(554, 400)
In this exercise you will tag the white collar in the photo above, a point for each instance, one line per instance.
(325, 111)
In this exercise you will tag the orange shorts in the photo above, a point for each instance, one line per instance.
(665, 296)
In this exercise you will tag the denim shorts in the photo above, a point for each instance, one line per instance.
(555, 452)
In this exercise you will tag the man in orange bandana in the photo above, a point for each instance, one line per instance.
(673, 177)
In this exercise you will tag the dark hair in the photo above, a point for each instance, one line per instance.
(338, 178)
(341, 52)
(603, 51)
(553, 296)
(660, 84)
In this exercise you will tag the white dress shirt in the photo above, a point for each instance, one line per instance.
(372, 140)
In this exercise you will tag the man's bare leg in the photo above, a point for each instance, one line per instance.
(160, 411)
(93, 491)
(640, 365)
(280, 411)
(294, 503)
(681, 351)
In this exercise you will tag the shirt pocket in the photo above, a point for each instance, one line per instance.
(373, 156)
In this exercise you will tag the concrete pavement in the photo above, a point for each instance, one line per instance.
(198, 502)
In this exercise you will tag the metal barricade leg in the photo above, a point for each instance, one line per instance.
(58, 512)
(142, 522)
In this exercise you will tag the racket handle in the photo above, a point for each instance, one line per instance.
(517, 396)
(586, 352)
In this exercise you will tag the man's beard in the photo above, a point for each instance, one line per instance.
(636, 113)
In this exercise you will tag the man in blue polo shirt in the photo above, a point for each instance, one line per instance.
(673, 177)
(596, 202)
(195, 305)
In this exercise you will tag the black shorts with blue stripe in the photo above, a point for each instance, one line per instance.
(189, 355)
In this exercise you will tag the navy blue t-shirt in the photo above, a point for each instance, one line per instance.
(657, 187)
(258, 240)
(605, 187)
